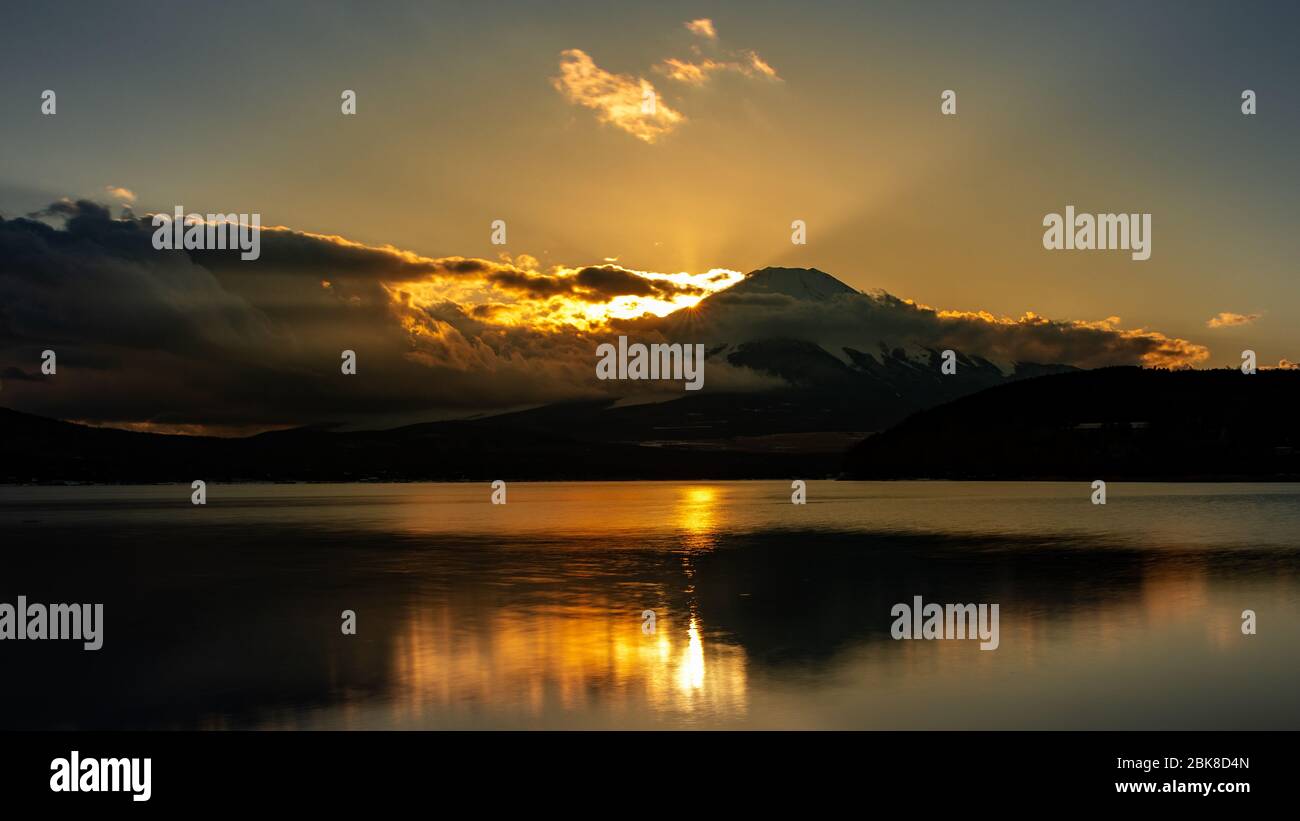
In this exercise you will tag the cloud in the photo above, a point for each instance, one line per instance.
(591, 284)
(1227, 319)
(702, 27)
(698, 73)
(171, 340)
(120, 194)
(878, 323)
(1084, 343)
(626, 102)
(631, 102)
(583, 296)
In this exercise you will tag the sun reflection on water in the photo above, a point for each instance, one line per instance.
(697, 516)
(691, 674)
(546, 666)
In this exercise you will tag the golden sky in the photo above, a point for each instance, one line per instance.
(664, 150)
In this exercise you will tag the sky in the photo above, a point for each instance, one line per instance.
(765, 113)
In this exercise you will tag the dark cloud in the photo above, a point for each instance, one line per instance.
(335, 258)
(183, 338)
(608, 281)
(194, 337)
(529, 284)
(870, 322)
(591, 284)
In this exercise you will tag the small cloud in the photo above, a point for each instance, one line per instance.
(621, 100)
(683, 71)
(696, 72)
(526, 262)
(117, 192)
(703, 28)
(1227, 319)
(747, 64)
(758, 65)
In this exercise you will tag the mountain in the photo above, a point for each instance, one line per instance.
(836, 359)
(827, 383)
(1109, 423)
(38, 450)
(799, 368)
(806, 284)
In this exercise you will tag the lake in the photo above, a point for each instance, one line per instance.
(767, 614)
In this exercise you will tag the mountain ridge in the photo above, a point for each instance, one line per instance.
(799, 283)
(829, 385)
(1122, 423)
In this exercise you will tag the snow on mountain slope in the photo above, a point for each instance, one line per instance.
(812, 330)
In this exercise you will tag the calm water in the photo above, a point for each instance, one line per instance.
(769, 615)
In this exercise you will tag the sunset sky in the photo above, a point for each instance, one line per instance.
(766, 113)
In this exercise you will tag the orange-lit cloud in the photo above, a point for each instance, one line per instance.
(697, 73)
(703, 27)
(508, 293)
(120, 194)
(1227, 319)
(1154, 349)
(626, 102)
(631, 103)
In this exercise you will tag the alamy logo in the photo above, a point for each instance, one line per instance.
(654, 361)
(133, 775)
(950, 621)
(1086, 232)
(76, 622)
(192, 232)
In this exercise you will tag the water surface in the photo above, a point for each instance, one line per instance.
(768, 614)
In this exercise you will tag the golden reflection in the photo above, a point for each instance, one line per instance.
(546, 665)
(691, 676)
(696, 515)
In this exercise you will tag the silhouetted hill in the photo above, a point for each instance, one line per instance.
(1114, 423)
(38, 450)
(1111, 423)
